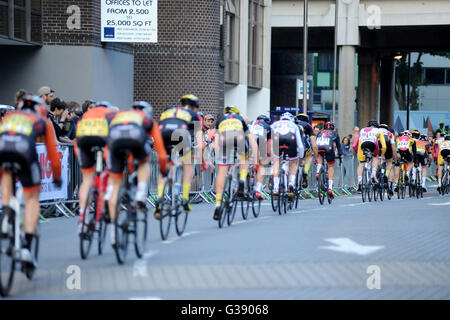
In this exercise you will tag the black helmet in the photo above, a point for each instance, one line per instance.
(373, 123)
(105, 104)
(144, 107)
(264, 118)
(189, 99)
(30, 102)
(303, 117)
(329, 125)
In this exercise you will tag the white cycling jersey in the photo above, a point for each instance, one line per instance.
(369, 134)
(285, 127)
(386, 132)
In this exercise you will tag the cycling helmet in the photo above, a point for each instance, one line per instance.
(231, 109)
(105, 104)
(423, 137)
(415, 134)
(373, 123)
(189, 99)
(329, 125)
(31, 102)
(303, 117)
(264, 118)
(144, 107)
(407, 133)
(287, 116)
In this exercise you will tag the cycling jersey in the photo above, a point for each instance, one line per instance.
(326, 139)
(406, 146)
(92, 130)
(368, 139)
(390, 143)
(232, 129)
(263, 134)
(178, 125)
(130, 131)
(444, 151)
(287, 138)
(19, 132)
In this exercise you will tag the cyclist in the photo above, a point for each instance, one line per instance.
(179, 126)
(260, 128)
(302, 121)
(423, 152)
(391, 153)
(19, 132)
(287, 139)
(406, 148)
(232, 134)
(130, 130)
(326, 140)
(92, 130)
(369, 138)
(443, 152)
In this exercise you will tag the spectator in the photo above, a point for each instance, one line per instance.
(46, 94)
(346, 146)
(58, 114)
(88, 104)
(19, 96)
(355, 133)
(75, 114)
(317, 128)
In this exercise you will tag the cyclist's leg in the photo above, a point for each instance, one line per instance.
(143, 175)
(220, 184)
(361, 158)
(276, 174)
(6, 187)
(88, 177)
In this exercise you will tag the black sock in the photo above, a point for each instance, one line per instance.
(28, 240)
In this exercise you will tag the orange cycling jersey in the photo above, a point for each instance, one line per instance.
(38, 129)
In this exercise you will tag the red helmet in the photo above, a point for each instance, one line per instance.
(329, 125)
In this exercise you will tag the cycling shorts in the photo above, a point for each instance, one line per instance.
(126, 138)
(176, 139)
(328, 152)
(286, 144)
(406, 155)
(86, 157)
(231, 142)
(421, 159)
(22, 150)
(388, 155)
(443, 154)
(373, 147)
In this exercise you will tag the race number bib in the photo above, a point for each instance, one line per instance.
(92, 127)
(18, 124)
(403, 144)
(323, 141)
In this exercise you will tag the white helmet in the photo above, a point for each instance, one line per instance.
(287, 116)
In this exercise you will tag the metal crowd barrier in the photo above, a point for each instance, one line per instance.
(202, 184)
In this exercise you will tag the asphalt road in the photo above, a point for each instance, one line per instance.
(398, 249)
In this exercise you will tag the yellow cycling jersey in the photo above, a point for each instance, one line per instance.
(444, 145)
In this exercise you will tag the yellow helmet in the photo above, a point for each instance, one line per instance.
(189, 99)
(231, 109)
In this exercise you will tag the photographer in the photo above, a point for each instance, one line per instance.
(58, 114)
(75, 114)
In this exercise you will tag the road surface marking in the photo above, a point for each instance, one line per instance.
(184, 235)
(440, 204)
(140, 265)
(349, 246)
(145, 298)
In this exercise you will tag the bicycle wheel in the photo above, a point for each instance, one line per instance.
(364, 185)
(225, 204)
(140, 231)
(102, 233)
(418, 185)
(7, 261)
(298, 187)
(273, 201)
(121, 225)
(320, 187)
(369, 187)
(281, 199)
(246, 203)
(181, 216)
(88, 230)
(256, 207)
(166, 210)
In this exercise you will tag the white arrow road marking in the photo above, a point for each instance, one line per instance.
(349, 246)
(140, 265)
(440, 204)
(184, 235)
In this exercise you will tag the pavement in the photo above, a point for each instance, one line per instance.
(397, 249)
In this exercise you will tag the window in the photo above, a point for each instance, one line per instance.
(435, 76)
(36, 21)
(447, 77)
(4, 18)
(255, 43)
(231, 40)
(325, 62)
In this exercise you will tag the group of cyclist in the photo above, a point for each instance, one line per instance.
(180, 131)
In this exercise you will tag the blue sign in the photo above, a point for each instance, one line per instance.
(108, 33)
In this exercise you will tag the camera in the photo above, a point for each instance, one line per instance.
(77, 112)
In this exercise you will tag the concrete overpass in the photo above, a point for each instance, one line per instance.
(374, 30)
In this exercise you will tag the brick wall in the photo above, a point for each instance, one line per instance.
(56, 32)
(186, 58)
